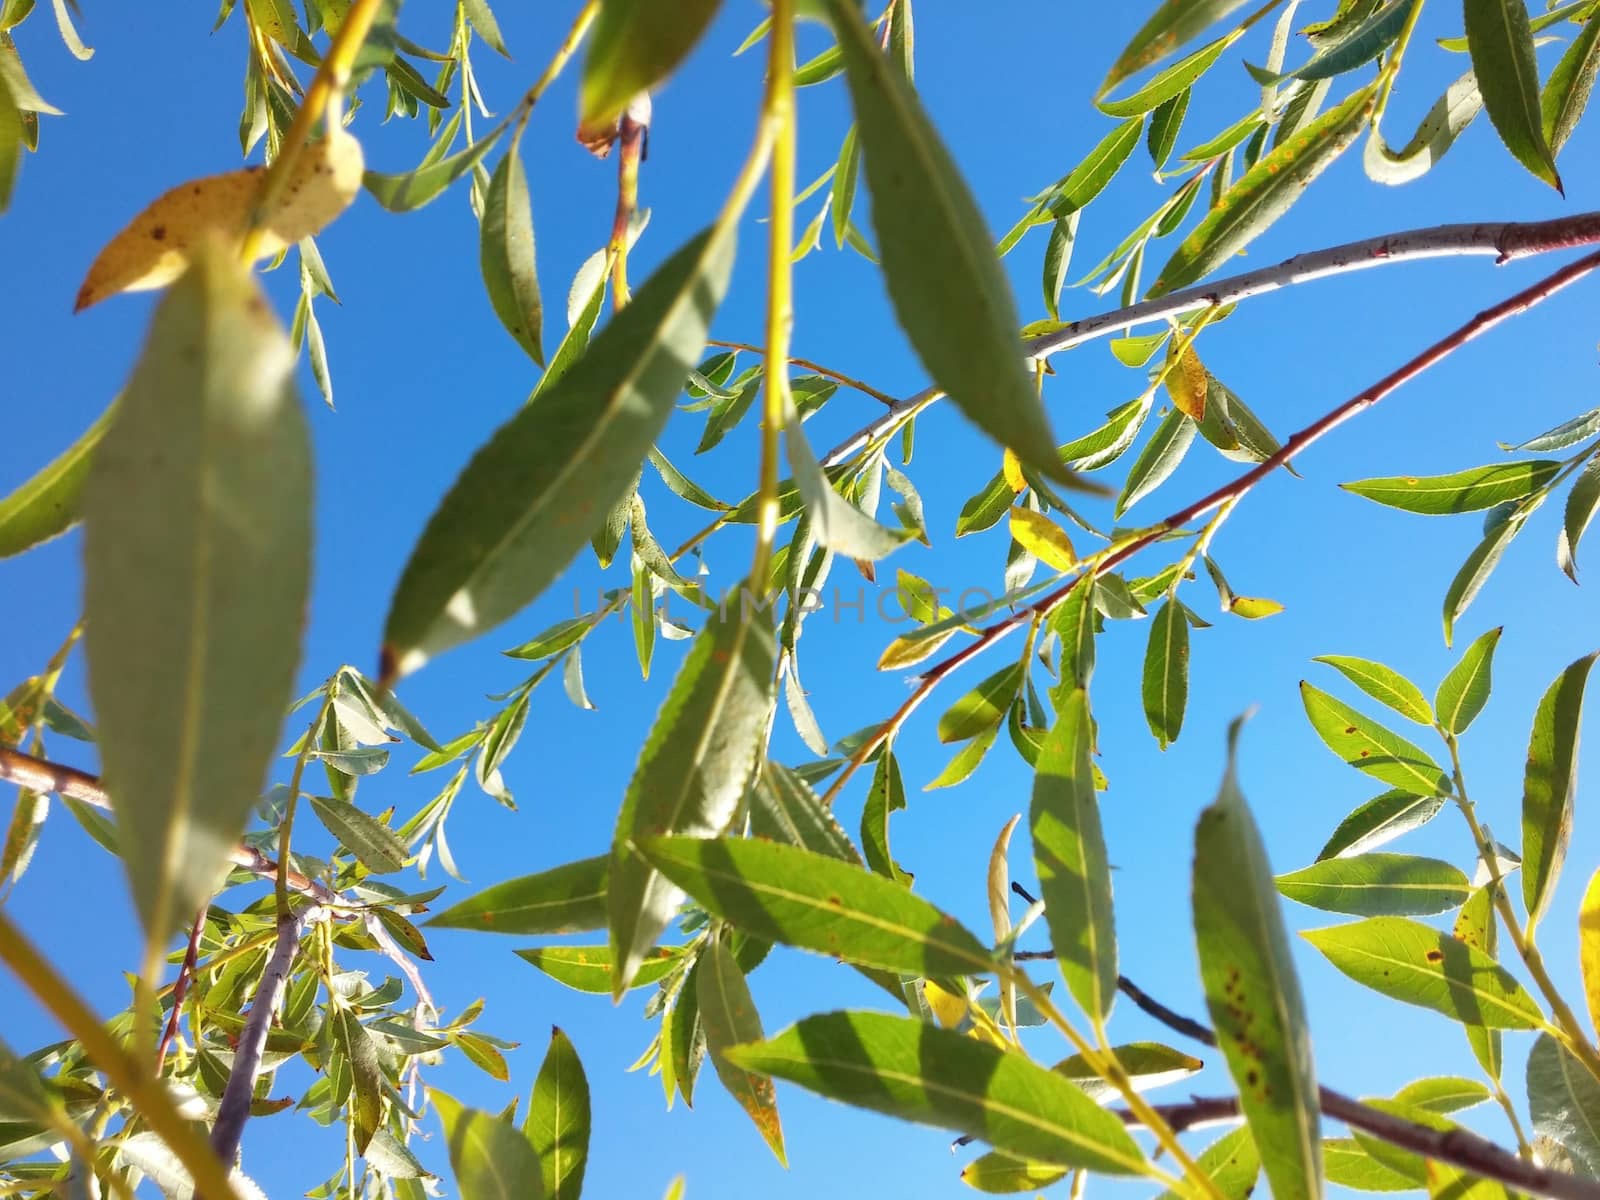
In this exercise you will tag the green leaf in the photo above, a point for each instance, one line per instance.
(1378, 885)
(506, 255)
(490, 1158)
(1384, 685)
(1475, 926)
(1359, 44)
(789, 895)
(1165, 124)
(1232, 1162)
(375, 845)
(1566, 94)
(1265, 193)
(1158, 460)
(982, 708)
(589, 968)
(1582, 503)
(728, 1015)
(49, 503)
(558, 1119)
(693, 771)
(913, 1070)
(412, 189)
(1475, 571)
(366, 1084)
(1564, 1102)
(783, 808)
(1501, 45)
(1465, 689)
(1083, 183)
(1069, 852)
(1380, 820)
(1406, 960)
(1370, 747)
(564, 899)
(1166, 672)
(943, 277)
(1349, 1165)
(1450, 115)
(1252, 991)
(1461, 491)
(554, 640)
(965, 761)
(535, 491)
(885, 796)
(1550, 784)
(635, 44)
(1173, 24)
(1443, 1094)
(1172, 82)
(188, 616)
(837, 524)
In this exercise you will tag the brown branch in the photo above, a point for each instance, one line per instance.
(1506, 241)
(815, 367)
(180, 989)
(1458, 1147)
(1298, 442)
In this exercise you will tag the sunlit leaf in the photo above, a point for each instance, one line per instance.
(1252, 991)
(1465, 690)
(1043, 538)
(1232, 1162)
(1406, 960)
(1378, 885)
(634, 45)
(1166, 672)
(536, 490)
(197, 560)
(506, 255)
(589, 968)
(693, 770)
(558, 1119)
(1380, 820)
(49, 503)
(1589, 947)
(491, 1159)
(1370, 747)
(1564, 1103)
(1566, 94)
(1438, 131)
(816, 902)
(1475, 571)
(1173, 24)
(1550, 784)
(729, 1017)
(1461, 491)
(784, 808)
(1070, 855)
(366, 1087)
(982, 708)
(1383, 684)
(374, 844)
(1501, 44)
(918, 1072)
(564, 899)
(1583, 501)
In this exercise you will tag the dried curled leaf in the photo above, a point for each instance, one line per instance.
(157, 245)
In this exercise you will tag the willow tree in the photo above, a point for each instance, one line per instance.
(194, 491)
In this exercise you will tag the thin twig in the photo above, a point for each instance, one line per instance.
(180, 988)
(1458, 1147)
(1507, 241)
(234, 1110)
(814, 367)
(1296, 444)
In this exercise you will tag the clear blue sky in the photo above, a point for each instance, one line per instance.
(424, 372)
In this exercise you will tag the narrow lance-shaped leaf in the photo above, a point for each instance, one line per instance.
(1252, 990)
(1383, 684)
(506, 255)
(1501, 44)
(693, 770)
(1450, 115)
(50, 502)
(916, 1071)
(1406, 960)
(378, 847)
(197, 564)
(558, 1119)
(1475, 571)
(589, 968)
(1166, 672)
(539, 487)
(1564, 1103)
(1069, 853)
(1475, 926)
(360, 1053)
(943, 277)
(1465, 689)
(1265, 193)
(1381, 819)
(1173, 24)
(838, 524)
(636, 44)
(564, 899)
(728, 1015)
(1370, 747)
(1566, 94)
(1461, 491)
(1550, 783)
(816, 902)
(1583, 501)
(490, 1158)
(1378, 885)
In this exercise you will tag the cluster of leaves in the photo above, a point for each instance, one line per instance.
(708, 816)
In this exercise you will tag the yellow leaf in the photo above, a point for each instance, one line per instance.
(1011, 468)
(1253, 608)
(1043, 538)
(948, 1008)
(157, 245)
(1186, 383)
(1589, 947)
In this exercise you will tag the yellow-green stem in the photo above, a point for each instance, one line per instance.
(286, 826)
(331, 78)
(1391, 69)
(142, 1089)
(565, 51)
(778, 115)
(1108, 1068)
(1567, 1029)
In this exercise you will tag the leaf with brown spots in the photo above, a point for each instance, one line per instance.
(158, 244)
(1252, 991)
(1372, 748)
(728, 1015)
(1412, 962)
